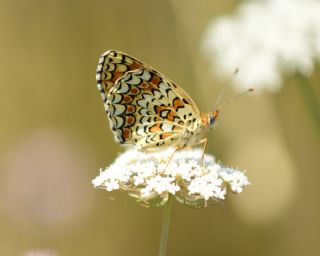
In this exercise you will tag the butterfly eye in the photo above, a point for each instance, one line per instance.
(213, 117)
(212, 120)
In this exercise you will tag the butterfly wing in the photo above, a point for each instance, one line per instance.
(146, 110)
(143, 106)
(112, 65)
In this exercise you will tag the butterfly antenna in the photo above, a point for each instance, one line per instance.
(235, 97)
(225, 86)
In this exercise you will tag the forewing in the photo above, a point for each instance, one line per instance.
(112, 65)
(147, 109)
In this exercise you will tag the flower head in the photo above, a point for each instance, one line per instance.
(264, 39)
(149, 179)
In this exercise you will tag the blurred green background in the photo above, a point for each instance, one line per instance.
(55, 137)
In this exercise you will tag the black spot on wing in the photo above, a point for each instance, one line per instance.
(185, 101)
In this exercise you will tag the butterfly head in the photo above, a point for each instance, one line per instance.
(212, 117)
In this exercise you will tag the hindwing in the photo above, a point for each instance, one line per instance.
(146, 109)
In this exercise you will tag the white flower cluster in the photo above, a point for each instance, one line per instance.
(148, 178)
(265, 38)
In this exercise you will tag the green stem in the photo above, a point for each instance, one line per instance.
(165, 226)
(310, 99)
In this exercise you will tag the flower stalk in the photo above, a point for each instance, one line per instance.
(165, 226)
(310, 99)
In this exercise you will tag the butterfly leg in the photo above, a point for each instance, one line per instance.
(204, 142)
(175, 150)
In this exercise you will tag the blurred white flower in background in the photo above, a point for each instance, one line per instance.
(34, 167)
(265, 39)
(146, 177)
(39, 252)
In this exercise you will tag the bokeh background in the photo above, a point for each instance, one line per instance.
(55, 136)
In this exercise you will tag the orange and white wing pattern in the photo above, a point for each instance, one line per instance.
(143, 106)
(112, 65)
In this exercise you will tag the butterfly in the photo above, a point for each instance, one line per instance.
(145, 108)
